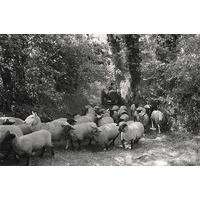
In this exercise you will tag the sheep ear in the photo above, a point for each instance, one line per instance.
(33, 113)
(71, 121)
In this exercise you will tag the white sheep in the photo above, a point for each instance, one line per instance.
(105, 120)
(115, 108)
(70, 121)
(80, 132)
(10, 121)
(25, 145)
(54, 127)
(107, 134)
(123, 108)
(157, 117)
(131, 132)
(90, 116)
(122, 111)
(124, 117)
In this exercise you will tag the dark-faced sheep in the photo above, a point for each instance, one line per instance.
(131, 132)
(106, 135)
(25, 145)
(80, 132)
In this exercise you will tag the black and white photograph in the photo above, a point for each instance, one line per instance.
(99, 99)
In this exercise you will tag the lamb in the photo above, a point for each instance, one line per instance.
(131, 132)
(80, 132)
(107, 133)
(25, 145)
(157, 117)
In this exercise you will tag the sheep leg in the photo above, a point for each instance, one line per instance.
(17, 159)
(72, 145)
(79, 145)
(152, 124)
(42, 152)
(27, 159)
(112, 143)
(132, 144)
(7, 154)
(159, 129)
(106, 146)
(52, 151)
(90, 142)
(123, 145)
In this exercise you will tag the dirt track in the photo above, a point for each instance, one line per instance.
(167, 149)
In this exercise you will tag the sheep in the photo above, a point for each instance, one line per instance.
(85, 109)
(80, 132)
(25, 145)
(124, 117)
(70, 121)
(10, 121)
(84, 119)
(131, 132)
(157, 117)
(141, 115)
(4, 148)
(105, 120)
(122, 111)
(123, 108)
(12, 128)
(54, 127)
(114, 115)
(115, 108)
(107, 133)
(90, 116)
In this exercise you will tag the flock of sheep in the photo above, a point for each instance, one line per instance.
(96, 124)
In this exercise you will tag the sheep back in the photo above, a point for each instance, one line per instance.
(32, 141)
(134, 132)
(83, 130)
(105, 120)
(107, 132)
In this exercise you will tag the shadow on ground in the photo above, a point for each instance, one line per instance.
(152, 150)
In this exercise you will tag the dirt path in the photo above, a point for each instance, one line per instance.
(167, 149)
